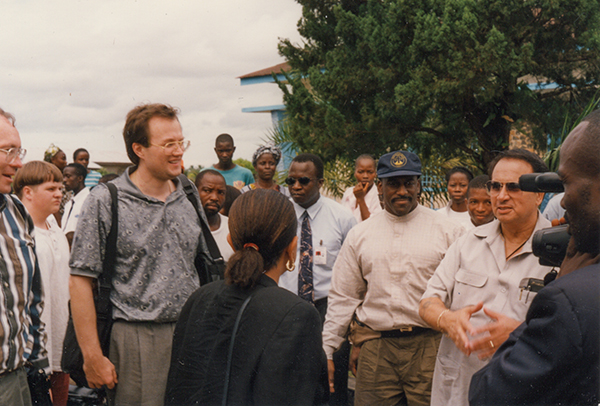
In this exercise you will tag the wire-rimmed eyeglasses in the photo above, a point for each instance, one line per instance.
(13, 153)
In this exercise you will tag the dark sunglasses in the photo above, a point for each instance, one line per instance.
(305, 180)
(495, 188)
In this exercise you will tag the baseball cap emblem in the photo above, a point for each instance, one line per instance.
(398, 160)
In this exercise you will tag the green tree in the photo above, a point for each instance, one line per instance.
(245, 164)
(192, 171)
(447, 77)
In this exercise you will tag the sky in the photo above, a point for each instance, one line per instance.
(71, 70)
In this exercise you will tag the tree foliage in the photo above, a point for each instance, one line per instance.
(443, 77)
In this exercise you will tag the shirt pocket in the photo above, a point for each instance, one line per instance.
(470, 278)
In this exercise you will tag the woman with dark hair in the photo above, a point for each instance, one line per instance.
(244, 340)
(265, 161)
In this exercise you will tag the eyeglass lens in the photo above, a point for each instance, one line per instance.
(496, 187)
(303, 181)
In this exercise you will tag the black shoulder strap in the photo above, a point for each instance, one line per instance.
(111, 239)
(213, 248)
(231, 346)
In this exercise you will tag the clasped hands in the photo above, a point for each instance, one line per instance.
(484, 340)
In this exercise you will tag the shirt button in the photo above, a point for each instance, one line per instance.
(503, 290)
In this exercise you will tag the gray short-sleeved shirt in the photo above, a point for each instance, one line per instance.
(156, 247)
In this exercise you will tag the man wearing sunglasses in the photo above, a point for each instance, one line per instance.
(553, 357)
(154, 271)
(23, 335)
(322, 228)
(378, 279)
(485, 269)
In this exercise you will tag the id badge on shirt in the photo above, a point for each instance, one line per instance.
(320, 257)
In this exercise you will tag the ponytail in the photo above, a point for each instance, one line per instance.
(244, 268)
(262, 223)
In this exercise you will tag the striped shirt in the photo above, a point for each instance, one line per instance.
(92, 179)
(22, 334)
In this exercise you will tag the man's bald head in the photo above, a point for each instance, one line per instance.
(580, 172)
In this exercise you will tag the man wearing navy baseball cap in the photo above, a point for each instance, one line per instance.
(378, 279)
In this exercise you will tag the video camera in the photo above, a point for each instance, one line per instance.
(549, 244)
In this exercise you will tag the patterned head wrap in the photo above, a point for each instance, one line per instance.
(267, 149)
(51, 152)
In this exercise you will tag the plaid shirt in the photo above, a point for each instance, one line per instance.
(22, 334)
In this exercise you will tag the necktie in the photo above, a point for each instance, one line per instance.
(305, 273)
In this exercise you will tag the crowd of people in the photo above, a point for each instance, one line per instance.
(424, 306)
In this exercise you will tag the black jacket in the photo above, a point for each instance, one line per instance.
(552, 358)
(277, 359)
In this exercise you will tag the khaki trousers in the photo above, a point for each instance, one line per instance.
(397, 371)
(141, 353)
(14, 390)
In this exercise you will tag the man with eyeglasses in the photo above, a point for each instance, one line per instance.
(322, 228)
(378, 278)
(553, 358)
(23, 336)
(481, 291)
(154, 271)
(234, 175)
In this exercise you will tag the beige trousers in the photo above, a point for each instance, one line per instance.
(141, 353)
(397, 371)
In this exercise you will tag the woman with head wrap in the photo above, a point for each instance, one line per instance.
(58, 158)
(265, 161)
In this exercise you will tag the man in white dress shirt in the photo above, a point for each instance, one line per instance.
(322, 228)
(379, 276)
(74, 180)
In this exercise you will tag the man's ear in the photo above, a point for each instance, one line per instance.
(379, 186)
(138, 149)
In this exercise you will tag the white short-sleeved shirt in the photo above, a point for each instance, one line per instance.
(475, 269)
(52, 251)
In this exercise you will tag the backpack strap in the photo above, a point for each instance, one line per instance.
(218, 264)
(103, 305)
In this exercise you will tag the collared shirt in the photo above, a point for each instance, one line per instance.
(371, 200)
(330, 223)
(383, 269)
(156, 247)
(475, 270)
(22, 333)
(220, 236)
(73, 210)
